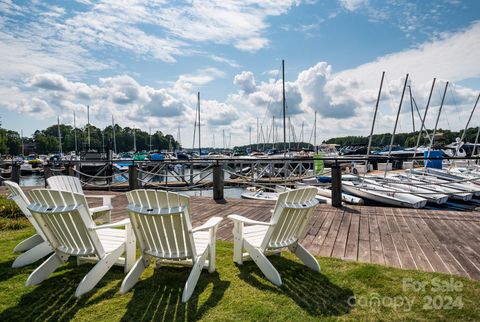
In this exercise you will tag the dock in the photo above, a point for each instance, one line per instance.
(428, 240)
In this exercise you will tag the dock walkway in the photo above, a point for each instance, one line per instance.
(428, 240)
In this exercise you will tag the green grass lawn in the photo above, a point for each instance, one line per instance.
(342, 291)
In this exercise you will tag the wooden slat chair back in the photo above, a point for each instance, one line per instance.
(73, 184)
(161, 222)
(290, 216)
(65, 220)
(287, 225)
(17, 195)
(36, 246)
(65, 183)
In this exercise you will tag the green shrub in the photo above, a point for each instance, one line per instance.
(13, 224)
(9, 209)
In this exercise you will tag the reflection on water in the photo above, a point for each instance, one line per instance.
(34, 180)
(228, 192)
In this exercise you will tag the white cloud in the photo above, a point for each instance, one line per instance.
(352, 5)
(245, 81)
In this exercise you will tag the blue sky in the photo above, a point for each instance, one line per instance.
(144, 61)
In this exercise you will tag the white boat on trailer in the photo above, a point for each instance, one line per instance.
(327, 193)
(384, 195)
(260, 195)
(454, 182)
(438, 185)
(396, 183)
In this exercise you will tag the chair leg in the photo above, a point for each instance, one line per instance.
(98, 271)
(264, 264)
(193, 277)
(32, 255)
(305, 256)
(212, 251)
(133, 275)
(130, 249)
(47, 268)
(238, 243)
(28, 243)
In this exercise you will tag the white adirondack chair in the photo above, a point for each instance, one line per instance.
(289, 219)
(65, 220)
(161, 221)
(36, 246)
(73, 184)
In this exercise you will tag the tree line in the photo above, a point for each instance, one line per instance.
(407, 140)
(46, 141)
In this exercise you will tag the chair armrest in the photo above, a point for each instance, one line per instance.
(211, 223)
(238, 218)
(120, 223)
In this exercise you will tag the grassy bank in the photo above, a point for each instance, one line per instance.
(344, 290)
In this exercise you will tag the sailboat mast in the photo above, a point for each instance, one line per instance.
(250, 136)
(424, 119)
(195, 129)
(59, 135)
(468, 123)
(88, 126)
(134, 140)
(476, 141)
(150, 137)
(436, 123)
(199, 137)
(21, 140)
(395, 127)
(114, 139)
(315, 133)
(257, 136)
(273, 132)
(284, 108)
(411, 106)
(374, 117)
(75, 133)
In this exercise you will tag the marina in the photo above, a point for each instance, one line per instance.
(240, 160)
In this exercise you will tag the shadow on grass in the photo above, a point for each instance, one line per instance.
(312, 291)
(54, 299)
(7, 272)
(159, 297)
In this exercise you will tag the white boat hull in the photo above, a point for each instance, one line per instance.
(383, 195)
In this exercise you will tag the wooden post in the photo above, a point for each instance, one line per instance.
(15, 174)
(69, 170)
(47, 172)
(191, 173)
(336, 186)
(218, 181)
(132, 177)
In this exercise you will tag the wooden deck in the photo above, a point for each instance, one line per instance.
(428, 240)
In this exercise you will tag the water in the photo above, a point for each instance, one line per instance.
(33, 180)
(228, 192)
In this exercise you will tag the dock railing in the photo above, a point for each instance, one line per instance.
(191, 174)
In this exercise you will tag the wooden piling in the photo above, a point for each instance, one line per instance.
(218, 182)
(132, 177)
(336, 186)
(15, 174)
